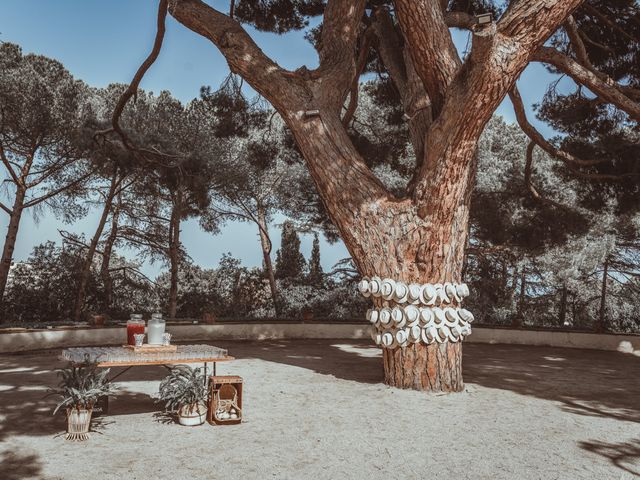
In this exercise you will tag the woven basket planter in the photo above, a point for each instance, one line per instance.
(78, 424)
(192, 415)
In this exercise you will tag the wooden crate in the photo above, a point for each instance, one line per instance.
(219, 384)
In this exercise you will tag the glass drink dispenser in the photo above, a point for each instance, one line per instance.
(135, 324)
(155, 329)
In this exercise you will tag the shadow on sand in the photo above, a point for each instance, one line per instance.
(582, 382)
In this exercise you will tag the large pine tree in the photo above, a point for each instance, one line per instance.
(420, 234)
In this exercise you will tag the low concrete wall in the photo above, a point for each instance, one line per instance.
(550, 338)
(57, 338)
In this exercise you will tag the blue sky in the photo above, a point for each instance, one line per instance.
(103, 42)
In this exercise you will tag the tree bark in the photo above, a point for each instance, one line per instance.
(10, 239)
(265, 243)
(174, 253)
(387, 237)
(93, 245)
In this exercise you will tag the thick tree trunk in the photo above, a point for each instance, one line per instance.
(10, 239)
(387, 237)
(174, 254)
(265, 243)
(93, 245)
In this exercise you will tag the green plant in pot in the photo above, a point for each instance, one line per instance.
(184, 391)
(80, 387)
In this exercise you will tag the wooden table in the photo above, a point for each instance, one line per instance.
(142, 359)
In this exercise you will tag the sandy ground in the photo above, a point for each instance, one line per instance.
(318, 409)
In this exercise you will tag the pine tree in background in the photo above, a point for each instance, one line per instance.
(316, 275)
(290, 262)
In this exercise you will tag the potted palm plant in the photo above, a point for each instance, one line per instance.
(184, 391)
(80, 388)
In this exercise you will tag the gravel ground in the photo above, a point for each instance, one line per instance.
(318, 409)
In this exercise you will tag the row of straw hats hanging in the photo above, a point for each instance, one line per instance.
(414, 293)
(421, 313)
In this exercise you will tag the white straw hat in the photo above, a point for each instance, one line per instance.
(363, 287)
(412, 314)
(415, 334)
(397, 315)
(384, 317)
(452, 292)
(374, 286)
(442, 296)
(387, 339)
(401, 293)
(376, 336)
(454, 333)
(465, 315)
(443, 334)
(463, 290)
(451, 316)
(438, 315)
(428, 294)
(426, 316)
(372, 315)
(414, 293)
(387, 288)
(402, 337)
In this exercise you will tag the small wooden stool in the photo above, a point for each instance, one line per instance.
(225, 391)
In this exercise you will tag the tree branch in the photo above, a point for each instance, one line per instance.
(604, 87)
(337, 51)
(578, 45)
(499, 54)
(535, 136)
(367, 40)
(528, 167)
(6, 209)
(132, 89)
(611, 24)
(241, 52)
(8, 166)
(434, 55)
(399, 65)
(55, 192)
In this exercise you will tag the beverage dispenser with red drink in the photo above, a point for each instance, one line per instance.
(135, 324)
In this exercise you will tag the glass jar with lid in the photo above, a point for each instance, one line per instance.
(155, 329)
(135, 324)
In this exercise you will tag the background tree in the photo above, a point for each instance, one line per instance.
(290, 263)
(43, 139)
(449, 101)
(175, 183)
(315, 276)
(254, 171)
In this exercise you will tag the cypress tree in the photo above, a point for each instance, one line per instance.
(290, 262)
(315, 268)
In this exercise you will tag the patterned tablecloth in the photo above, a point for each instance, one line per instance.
(122, 355)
